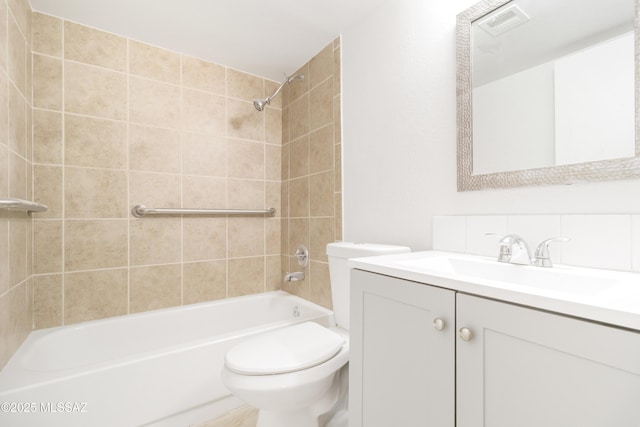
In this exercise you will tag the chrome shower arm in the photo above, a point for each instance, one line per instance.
(288, 79)
(269, 98)
(261, 103)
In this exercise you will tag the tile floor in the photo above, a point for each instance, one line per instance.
(244, 416)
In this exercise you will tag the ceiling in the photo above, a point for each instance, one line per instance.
(263, 37)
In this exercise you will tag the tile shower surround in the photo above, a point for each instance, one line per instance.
(16, 228)
(119, 123)
(116, 123)
(311, 171)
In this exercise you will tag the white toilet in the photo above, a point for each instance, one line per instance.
(296, 376)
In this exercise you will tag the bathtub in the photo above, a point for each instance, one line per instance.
(159, 368)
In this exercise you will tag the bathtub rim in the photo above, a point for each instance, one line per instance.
(14, 377)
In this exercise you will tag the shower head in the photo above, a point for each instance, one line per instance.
(261, 103)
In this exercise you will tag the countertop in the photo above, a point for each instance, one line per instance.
(616, 303)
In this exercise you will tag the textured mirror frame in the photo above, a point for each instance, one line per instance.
(604, 170)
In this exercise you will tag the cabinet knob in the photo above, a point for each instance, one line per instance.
(438, 324)
(465, 334)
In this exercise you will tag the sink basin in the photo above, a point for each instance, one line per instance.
(559, 278)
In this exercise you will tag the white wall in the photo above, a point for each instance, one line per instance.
(399, 134)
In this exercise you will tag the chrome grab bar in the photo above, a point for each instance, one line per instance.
(23, 205)
(139, 211)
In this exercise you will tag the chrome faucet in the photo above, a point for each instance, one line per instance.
(514, 250)
(542, 257)
(302, 255)
(296, 276)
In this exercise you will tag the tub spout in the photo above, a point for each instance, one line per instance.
(294, 277)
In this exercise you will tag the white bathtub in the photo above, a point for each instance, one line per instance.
(160, 368)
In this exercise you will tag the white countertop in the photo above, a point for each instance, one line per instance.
(617, 303)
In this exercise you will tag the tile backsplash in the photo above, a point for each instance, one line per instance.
(597, 241)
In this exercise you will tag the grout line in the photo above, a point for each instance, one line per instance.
(63, 174)
(561, 249)
(129, 219)
(11, 15)
(226, 164)
(265, 234)
(31, 238)
(182, 219)
(631, 243)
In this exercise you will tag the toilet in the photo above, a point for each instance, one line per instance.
(297, 376)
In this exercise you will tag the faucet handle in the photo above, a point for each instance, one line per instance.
(517, 249)
(542, 258)
(505, 250)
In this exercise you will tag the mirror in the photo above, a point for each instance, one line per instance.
(546, 92)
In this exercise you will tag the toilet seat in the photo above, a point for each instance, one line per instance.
(284, 350)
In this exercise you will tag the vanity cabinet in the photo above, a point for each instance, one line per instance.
(528, 367)
(402, 364)
(514, 365)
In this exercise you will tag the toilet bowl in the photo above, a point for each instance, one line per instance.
(296, 390)
(297, 376)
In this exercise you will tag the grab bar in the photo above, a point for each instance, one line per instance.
(139, 211)
(23, 205)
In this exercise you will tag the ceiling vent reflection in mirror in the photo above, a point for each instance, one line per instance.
(503, 20)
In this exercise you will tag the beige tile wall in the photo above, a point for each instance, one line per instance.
(311, 171)
(119, 123)
(16, 281)
(92, 123)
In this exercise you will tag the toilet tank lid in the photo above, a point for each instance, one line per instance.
(284, 350)
(355, 250)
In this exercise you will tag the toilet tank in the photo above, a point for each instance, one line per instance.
(339, 273)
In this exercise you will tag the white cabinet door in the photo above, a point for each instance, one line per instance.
(401, 368)
(527, 368)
